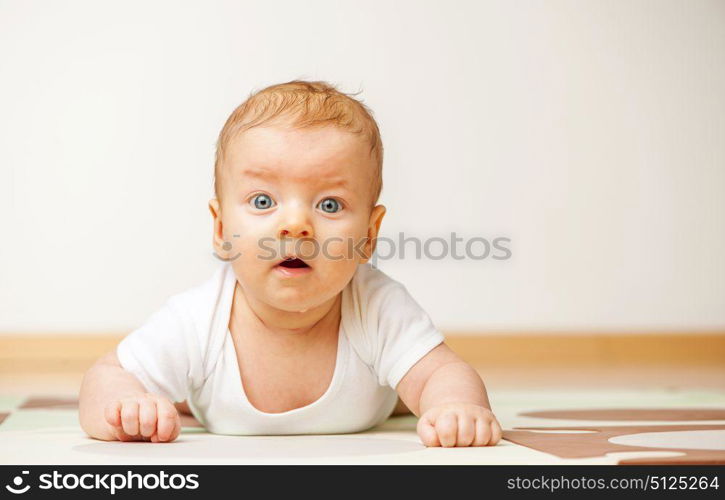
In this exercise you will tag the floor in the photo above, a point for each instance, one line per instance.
(39, 425)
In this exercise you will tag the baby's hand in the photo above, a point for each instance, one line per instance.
(148, 417)
(459, 424)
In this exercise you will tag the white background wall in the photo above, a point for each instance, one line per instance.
(591, 133)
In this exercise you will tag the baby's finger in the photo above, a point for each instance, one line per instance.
(129, 417)
(122, 436)
(466, 430)
(112, 413)
(147, 417)
(447, 428)
(177, 428)
(496, 433)
(427, 433)
(167, 416)
(483, 432)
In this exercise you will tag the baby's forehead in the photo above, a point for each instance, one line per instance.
(299, 153)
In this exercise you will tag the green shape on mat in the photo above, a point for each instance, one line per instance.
(26, 420)
(9, 403)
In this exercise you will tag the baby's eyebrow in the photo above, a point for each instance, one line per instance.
(334, 182)
(260, 173)
(328, 182)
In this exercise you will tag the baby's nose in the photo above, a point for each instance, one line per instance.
(294, 233)
(295, 225)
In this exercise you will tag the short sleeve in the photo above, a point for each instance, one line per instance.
(157, 352)
(404, 333)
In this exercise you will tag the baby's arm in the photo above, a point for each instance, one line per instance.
(451, 401)
(114, 405)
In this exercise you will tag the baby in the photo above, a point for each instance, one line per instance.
(296, 332)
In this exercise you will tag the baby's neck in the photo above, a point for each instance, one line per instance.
(286, 323)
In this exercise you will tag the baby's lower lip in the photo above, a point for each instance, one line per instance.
(292, 272)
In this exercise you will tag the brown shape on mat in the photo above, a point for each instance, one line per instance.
(664, 414)
(48, 403)
(596, 444)
(3, 416)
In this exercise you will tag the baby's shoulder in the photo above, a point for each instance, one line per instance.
(368, 292)
(373, 301)
(370, 283)
(203, 297)
(203, 310)
(386, 326)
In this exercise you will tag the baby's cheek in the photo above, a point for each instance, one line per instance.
(305, 248)
(261, 250)
(341, 250)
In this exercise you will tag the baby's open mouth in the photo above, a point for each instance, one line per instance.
(293, 263)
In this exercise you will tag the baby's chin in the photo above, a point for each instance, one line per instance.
(300, 294)
(296, 300)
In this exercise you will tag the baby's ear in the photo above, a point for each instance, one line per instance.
(376, 218)
(218, 236)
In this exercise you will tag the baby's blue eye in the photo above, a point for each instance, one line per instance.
(330, 205)
(262, 202)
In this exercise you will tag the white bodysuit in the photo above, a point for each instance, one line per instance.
(184, 351)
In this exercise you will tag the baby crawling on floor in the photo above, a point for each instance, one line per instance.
(295, 332)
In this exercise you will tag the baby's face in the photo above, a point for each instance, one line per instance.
(296, 193)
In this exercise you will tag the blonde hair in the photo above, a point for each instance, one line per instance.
(306, 104)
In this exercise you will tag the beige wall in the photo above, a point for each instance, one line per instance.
(591, 133)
